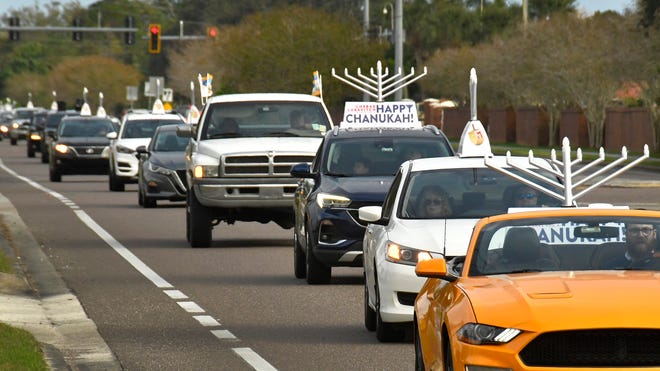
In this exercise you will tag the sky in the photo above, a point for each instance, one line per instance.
(589, 6)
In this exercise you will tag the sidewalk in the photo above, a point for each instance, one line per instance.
(36, 299)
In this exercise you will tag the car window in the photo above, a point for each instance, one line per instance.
(390, 198)
(259, 119)
(144, 128)
(168, 141)
(379, 156)
(547, 244)
(471, 193)
(97, 128)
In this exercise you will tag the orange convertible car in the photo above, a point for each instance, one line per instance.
(560, 289)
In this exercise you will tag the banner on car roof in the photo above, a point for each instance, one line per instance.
(380, 114)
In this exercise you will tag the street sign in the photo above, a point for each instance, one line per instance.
(131, 93)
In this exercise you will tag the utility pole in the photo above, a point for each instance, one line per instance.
(398, 43)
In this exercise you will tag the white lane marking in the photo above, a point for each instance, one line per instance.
(123, 251)
(253, 359)
(207, 321)
(175, 294)
(223, 334)
(190, 306)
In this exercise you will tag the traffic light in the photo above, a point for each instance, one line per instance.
(14, 35)
(154, 38)
(77, 35)
(212, 32)
(129, 37)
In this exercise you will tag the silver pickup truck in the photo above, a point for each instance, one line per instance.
(239, 158)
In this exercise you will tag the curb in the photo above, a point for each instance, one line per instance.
(37, 300)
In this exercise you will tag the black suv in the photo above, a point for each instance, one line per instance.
(353, 167)
(46, 131)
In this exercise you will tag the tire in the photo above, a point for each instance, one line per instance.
(140, 196)
(200, 223)
(447, 358)
(385, 332)
(317, 272)
(54, 174)
(299, 260)
(13, 141)
(44, 156)
(30, 150)
(148, 202)
(114, 183)
(419, 358)
(369, 314)
(187, 225)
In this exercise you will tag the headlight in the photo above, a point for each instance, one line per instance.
(478, 334)
(405, 255)
(124, 149)
(205, 171)
(4, 128)
(15, 125)
(326, 200)
(35, 136)
(159, 169)
(61, 148)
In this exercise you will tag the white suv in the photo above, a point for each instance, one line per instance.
(136, 130)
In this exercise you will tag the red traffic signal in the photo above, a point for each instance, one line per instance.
(154, 38)
(212, 32)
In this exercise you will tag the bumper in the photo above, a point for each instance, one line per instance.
(81, 165)
(337, 237)
(126, 166)
(248, 193)
(398, 287)
(164, 186)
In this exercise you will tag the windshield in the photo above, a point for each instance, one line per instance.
(567, 244)
(168, 141)
(365, 156)
(97, 128)
(263, 119)
(144, 128)
(466, 193)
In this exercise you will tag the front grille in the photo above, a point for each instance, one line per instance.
(88, 150)
(261, 165)
(616, 348)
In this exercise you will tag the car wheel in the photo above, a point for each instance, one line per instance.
(419, 358)
(44, 156)
(13, 141)
(299, 266)
(187, 224)
(369, 314)
(140, 196)
(200, 223)
(149, 203)
(30, 150)
(317, 272)
(385, 332)
(115, 184)
(54, 174)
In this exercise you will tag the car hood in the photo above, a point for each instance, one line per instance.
(77, 141)
(369, 189)
(567, 300)
(133, 143)
(223, 146)
(169, 160)
(449, 237)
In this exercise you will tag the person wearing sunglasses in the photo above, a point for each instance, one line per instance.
(641, 249)
(433, 202)
(524, 196)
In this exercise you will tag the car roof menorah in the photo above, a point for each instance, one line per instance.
(564, 170)
(380, 85)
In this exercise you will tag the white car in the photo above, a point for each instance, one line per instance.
(399, 233)
(136, 130)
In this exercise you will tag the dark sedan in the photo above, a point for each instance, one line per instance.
(162, 168)
(77, 145)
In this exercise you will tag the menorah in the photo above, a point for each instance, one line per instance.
(379, 85)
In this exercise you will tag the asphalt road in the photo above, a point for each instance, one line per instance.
(160, 304)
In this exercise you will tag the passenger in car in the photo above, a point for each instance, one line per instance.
(640, 252)
(361, 166)
(522, 250)
(433, 202)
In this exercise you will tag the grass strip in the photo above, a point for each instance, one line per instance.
(19, 350)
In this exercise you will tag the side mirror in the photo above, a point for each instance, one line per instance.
(301, 170)
(372, 214)
(141, 151)
(111, 135)
(434, 268)
(185, 131)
